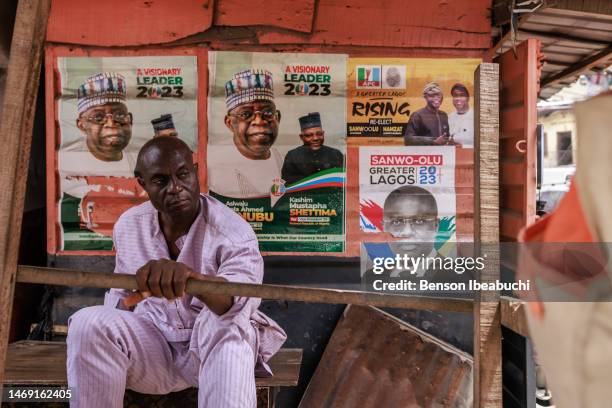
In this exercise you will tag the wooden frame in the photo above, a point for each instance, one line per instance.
(15, 137)
(487, 323)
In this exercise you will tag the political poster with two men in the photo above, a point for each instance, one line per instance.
(276, 145)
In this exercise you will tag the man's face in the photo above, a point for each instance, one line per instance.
(108, 129)
(414, 222)
(460, 100)
(313, 138)
(434, 99)
(255, 128)
(170, 178)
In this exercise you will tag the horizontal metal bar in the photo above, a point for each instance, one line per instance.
(68, 277)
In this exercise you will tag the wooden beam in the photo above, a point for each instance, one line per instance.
(487, 328)
(578, 67)
(68, 277)
(582, 6)
(513, 315)
(15, 137)
(546, 35)
(557, 62)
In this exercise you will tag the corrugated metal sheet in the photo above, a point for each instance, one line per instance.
(376, 360)
(568, 38)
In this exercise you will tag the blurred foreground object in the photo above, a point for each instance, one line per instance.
(574, 338)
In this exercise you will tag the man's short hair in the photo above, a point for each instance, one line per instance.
(411, 191)
(162, 143)
(460, 87)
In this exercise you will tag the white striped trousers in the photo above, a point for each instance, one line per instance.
(110, 350)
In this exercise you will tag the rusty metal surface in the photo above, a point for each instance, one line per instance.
(376, 360)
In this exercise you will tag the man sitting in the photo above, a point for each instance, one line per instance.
(171, 341)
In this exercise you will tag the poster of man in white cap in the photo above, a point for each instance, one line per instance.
(105, 108)
(255, 103)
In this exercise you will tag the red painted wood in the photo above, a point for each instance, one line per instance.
(295, 15)
(127, 22)
(458, 24)
(519, 77)
(396, 23)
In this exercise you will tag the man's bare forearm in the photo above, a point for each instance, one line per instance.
(219, 304)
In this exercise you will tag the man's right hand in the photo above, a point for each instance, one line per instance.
(168, 279)
(441, 140)
(163, 278)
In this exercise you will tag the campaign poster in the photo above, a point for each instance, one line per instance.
(408, 192)
(428, 101)
(276, 146)
(107, 108)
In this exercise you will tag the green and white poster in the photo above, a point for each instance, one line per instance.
(276, 146)
(107, 108)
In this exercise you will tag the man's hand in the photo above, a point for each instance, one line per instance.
(163, 278)
(441, 140)
(168, 279)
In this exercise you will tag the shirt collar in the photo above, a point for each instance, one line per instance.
(180, 242)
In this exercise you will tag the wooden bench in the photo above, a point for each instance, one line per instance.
(43, 363)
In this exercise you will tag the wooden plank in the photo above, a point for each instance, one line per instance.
(132, 22)
(512, 222)
(558, 36)
(512, 91)
(461, 24)
(513, 315)
(44, 363)
(487, 330)
(513, 173)
(68, 277)
(297, 15)
(579, 67)
(518, 123)
(15, 138)
(513, 199)
(585, 6)
(509, 146)
(512, 118)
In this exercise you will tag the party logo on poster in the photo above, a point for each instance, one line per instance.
(368, 76)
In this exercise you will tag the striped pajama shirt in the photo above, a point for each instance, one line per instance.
(163, 346)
